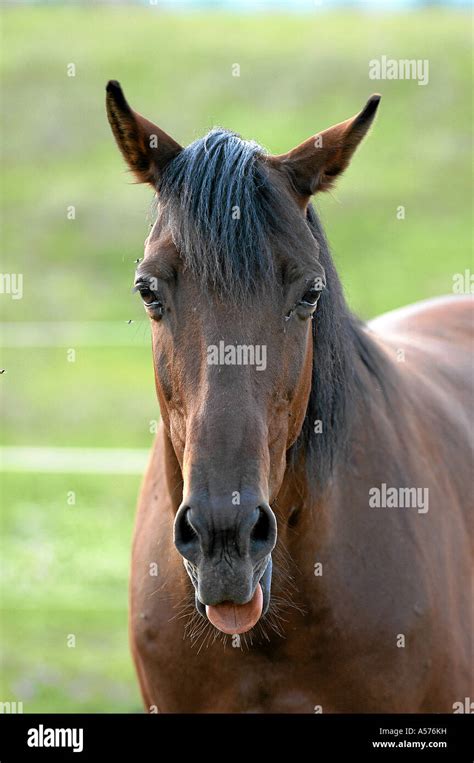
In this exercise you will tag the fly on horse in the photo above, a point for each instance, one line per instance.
(303, 535)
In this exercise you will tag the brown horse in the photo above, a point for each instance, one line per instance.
(282, 414)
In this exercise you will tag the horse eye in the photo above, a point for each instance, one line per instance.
(146, 294)
(310, 297)
(151, 300)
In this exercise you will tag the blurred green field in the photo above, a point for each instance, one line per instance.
(64, 569)
(64, 574)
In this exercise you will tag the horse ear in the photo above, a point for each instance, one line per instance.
(315, 164)
(146, 149)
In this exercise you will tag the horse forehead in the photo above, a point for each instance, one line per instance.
(159, 245)
(288, 266)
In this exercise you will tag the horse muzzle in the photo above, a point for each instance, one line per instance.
(235, 618)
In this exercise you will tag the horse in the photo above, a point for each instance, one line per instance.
(303, 540)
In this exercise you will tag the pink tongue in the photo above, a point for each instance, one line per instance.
(236, 618)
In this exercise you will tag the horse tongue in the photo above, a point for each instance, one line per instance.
(236, 618)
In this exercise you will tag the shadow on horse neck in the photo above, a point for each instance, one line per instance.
(342, 347)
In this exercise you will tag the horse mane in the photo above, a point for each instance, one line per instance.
(342, 347)
(226, 215)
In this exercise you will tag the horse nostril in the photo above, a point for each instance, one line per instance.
(261, 527)
(263, 534)
(185, 536)
(188, 533)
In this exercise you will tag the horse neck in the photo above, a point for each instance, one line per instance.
(366, 384)
(349, 370)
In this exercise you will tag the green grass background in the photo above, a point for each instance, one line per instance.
(64, 568)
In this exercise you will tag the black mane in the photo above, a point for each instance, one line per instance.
(226, 214)
(342, 350)
(199, 193)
